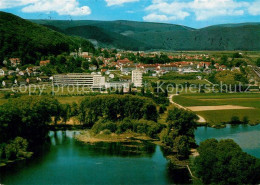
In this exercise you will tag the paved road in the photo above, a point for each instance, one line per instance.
(201, 119)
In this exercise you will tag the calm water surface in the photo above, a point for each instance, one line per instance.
(67, 161)
(248, 137)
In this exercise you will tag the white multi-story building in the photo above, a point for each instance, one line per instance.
(137, 77)
(79, 79)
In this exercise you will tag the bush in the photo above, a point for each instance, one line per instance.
(2, 147)
(182, 145)
(245, 120)
(235, 120)
(104, 125)
(16, 148)
(10, 152)
(162, 109)
(258, 62)
(106, 132)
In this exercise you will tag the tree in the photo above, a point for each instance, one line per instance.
(224, 162)
(180, 123)
(122, 90)
(94, 62)
(85, 65)
(258, 62)
(143, 91)
(27, 117)
(65, 112)
(235, 120)
(237, 55)
(182, 146)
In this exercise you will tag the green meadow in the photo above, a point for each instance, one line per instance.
(217, 117)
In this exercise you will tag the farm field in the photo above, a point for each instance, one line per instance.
(250, 102)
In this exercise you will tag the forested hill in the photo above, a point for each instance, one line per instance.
(145, 36)
(29, 41)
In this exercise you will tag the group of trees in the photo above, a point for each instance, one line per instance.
(234, 60)
(23, 122)
(142, 126)
(67, 64)
(159, 97)
(230, 80)
(114, 108)
(14, 149)
(29, 41)
(27, 117)
(224, 162)
(180, 131)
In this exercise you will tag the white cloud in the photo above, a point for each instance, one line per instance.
(205, 9)
(163, 18)
(254, 8)
(62, 7)
(170, 11)
(202, 9)
(14, 3)
(119, 2)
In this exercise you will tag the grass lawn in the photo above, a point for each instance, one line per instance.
(70, 100)
(217, 117)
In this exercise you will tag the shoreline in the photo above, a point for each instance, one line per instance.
(4, 163)
(88, 137)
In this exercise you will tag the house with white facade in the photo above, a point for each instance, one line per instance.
(2, 72)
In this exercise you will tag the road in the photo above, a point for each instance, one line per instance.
(201, 119)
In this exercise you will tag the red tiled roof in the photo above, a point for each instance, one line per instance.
(43, 63)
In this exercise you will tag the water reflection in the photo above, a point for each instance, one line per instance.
(63, 160)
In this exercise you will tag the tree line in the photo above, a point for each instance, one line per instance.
(23, 123)
(114, 107)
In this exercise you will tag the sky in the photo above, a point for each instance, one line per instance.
(192, 13)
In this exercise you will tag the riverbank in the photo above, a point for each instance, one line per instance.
(87, 136)
(6, 162)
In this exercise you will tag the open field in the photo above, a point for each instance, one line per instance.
(226, 106)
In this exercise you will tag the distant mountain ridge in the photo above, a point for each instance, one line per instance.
(133, 35)
(154, 36)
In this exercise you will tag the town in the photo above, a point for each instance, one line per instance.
(128, 102)
(117, 69)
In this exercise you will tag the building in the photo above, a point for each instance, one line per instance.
(2, 72)
(44, 63)
(15, 62)
(92, 67)
(125, 61)
(137, 77)
(79, 79)
(118, 85)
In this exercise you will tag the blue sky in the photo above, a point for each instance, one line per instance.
(193, 13)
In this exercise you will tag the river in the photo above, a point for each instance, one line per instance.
(67, 161)
(248, 137)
